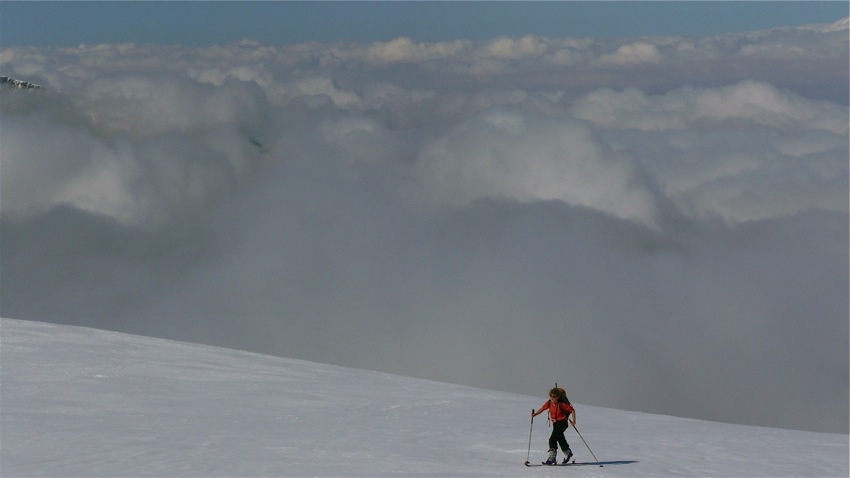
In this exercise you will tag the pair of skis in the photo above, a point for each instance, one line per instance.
(556, 464)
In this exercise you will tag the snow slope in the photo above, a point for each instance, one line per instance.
(84, 402)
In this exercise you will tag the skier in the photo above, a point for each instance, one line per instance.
(561, 412)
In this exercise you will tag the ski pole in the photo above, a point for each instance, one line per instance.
(528, 455)
(585, 444)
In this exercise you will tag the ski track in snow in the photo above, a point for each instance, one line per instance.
(84, 402)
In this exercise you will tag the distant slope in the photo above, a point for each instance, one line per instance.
(84, 402)
(18, 84)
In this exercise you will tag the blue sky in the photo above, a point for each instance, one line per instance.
(207, 23)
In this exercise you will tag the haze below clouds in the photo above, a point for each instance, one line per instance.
(660, 224)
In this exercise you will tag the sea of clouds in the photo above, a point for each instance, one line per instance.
(660, 223)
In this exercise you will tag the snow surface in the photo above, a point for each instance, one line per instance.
(84, 402)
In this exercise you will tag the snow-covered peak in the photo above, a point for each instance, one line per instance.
(18, 84)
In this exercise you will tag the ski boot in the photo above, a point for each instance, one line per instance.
(569, 454)
(553, 459)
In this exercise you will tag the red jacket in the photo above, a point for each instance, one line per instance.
(558, 411)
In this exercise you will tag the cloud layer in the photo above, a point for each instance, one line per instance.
(659, 223)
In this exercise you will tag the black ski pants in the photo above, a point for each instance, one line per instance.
(557, 437)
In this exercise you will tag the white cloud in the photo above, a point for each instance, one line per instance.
(505, 155)
(631, 54)
(514, 49)
(38, 159)
(742, 152)
(756, 102)
(405, 50)
(361, 140)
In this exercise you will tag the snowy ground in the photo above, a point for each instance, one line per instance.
(83, 402)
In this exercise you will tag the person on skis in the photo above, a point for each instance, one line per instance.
(562, 413)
